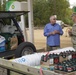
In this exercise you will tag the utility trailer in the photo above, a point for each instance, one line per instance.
(20, 69)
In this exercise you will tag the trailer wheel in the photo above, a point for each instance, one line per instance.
(25, 48)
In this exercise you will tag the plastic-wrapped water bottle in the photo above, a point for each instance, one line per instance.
(31, 60)
(2, 43)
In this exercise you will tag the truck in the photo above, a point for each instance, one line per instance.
(15, 46)
(61, 23)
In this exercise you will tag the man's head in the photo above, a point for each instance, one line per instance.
(53, 19)
(74, 17)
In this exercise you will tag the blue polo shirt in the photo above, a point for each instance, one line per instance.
(53, 40)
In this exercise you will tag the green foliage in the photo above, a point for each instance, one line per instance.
(17, 0)
(2, 6)
(43, 9)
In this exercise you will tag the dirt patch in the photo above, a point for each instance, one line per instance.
(40, 40)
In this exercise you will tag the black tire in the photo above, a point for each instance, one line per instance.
(24, 49)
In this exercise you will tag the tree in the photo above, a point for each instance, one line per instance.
(40, 12)
(43, 9)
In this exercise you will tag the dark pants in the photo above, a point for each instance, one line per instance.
(50, 48)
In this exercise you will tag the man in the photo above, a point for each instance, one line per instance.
(53, 31)
(72, 32)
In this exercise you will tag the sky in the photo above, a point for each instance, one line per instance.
(72, 2)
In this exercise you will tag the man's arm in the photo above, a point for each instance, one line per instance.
(60, 30)
(46, 31)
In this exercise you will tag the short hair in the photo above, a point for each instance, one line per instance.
(52, 16)
(73, 14)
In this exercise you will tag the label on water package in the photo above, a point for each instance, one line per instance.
(52, 61)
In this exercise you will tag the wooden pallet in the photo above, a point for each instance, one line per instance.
(24, 69)
(65, 73)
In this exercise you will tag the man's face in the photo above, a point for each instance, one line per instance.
(53, 20)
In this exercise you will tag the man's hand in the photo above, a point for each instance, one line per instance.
(57, 32)
(54, 32)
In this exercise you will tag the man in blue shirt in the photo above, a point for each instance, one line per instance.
(53, 31)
